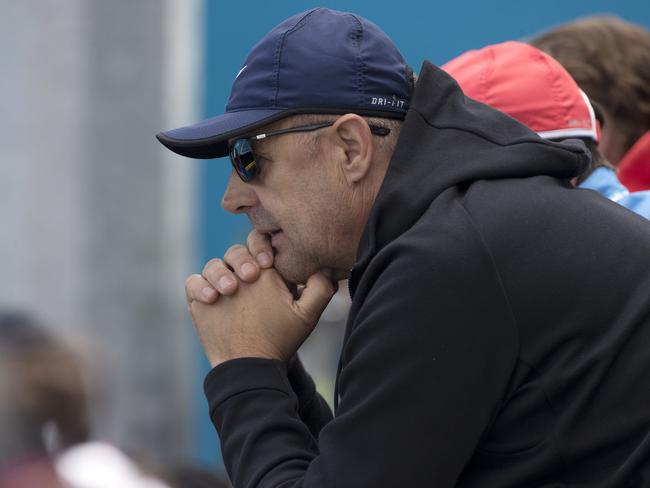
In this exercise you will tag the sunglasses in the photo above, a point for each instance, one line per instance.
(247, 165)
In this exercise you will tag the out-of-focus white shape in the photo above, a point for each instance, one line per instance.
(100, 465)
(339, 307)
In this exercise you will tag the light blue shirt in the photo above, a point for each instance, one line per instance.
(605, 182)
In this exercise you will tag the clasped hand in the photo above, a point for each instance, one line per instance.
(241, 306)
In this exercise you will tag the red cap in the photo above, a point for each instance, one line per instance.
(528, 85)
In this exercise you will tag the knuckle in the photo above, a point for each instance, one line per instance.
(189, 280)
(239, 257)
(193, 283)
(215, 275)
(306, 316)
(258, 240)
(234, 249)
(253, 238)
(211, 265)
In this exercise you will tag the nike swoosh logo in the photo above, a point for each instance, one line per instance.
(241, 70)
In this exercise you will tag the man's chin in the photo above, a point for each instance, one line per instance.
(294, 272)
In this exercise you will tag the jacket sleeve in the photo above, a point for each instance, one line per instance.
(313, 410)
(424, 369)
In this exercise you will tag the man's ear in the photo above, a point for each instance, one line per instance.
(354, 139)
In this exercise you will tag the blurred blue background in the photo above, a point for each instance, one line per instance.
(437, 31)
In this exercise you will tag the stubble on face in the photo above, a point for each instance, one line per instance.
(301, 196)
(278, 213)
(294, 257)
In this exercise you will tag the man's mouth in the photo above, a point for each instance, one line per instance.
(269, 232)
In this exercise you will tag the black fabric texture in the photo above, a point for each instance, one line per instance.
(312, 407)
(499, 334)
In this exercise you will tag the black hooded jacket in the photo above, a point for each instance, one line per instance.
(499, 334)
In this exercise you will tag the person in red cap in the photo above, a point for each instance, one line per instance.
(532, 87)
(610, 59)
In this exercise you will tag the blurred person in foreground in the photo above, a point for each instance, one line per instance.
(42, 398)
(610, 60)
(535, 89)
(500, 318)
(45, 441)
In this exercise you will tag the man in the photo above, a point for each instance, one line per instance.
(485, 344)
(535, 89)
(610, 60)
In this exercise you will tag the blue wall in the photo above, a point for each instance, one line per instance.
(437, 31)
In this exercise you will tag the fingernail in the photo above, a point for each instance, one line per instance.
(264, 259)
(248, 269)
(226, 282)
(208, 293)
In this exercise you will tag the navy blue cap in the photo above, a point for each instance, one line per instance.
(319, 61)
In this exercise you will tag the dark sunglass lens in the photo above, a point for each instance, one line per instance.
(243, 159)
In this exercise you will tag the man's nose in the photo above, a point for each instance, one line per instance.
(239, 197)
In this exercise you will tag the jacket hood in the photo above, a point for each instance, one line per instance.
(448, 139)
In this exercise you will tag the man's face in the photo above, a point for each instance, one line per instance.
(296, 200)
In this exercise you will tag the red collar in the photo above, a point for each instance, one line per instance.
(634, 168)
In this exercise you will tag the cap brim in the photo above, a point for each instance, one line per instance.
(209, 138)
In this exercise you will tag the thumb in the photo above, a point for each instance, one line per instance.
(315, 296)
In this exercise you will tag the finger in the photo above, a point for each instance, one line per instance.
(220, 277)
(198, 288)
(259, 246)
(315, 296)
(242, 262)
